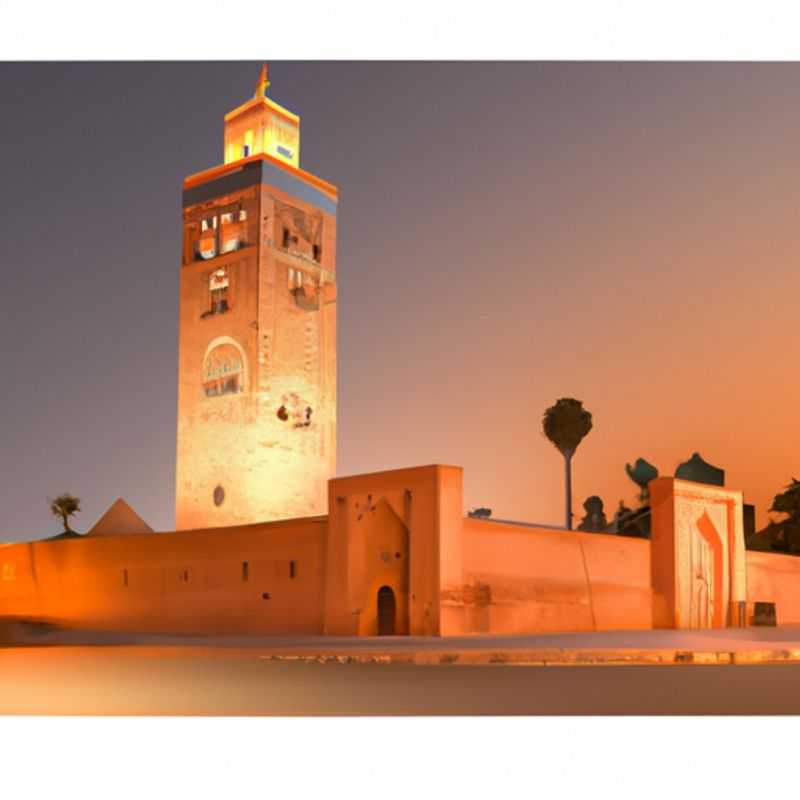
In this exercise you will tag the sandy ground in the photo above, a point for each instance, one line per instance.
(236, 676)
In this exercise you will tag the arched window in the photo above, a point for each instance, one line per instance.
(218, 284)
(223, 371)
(207, 244)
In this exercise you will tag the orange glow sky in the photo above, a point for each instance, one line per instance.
(508, 234)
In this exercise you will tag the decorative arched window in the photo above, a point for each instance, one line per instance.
(223, 371)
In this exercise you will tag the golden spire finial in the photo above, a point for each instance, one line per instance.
(263, 81)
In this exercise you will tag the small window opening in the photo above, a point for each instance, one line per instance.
(125, 577)
(292, 569)
(206, 245)
(246, 151)
(186, 576)
(218, 285)
(245, 571)
(317, 253)
(265, 596)
(285, 238)
(233, 236)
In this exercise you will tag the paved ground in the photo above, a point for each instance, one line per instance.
(644, 646)
(177, 681)
(642, 674)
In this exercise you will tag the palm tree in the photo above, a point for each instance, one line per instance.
(63, 507)
(565, 424)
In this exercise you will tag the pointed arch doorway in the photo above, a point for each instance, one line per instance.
(387, 611)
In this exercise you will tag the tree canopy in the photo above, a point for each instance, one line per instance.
(64, 506)
(566, 424)
(788, 501)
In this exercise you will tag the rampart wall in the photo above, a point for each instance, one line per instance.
(270, 578)
(774, 578)
(522, 579)
(264, 578)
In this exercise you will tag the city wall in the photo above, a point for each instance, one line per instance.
(521, 579)
(401, 529)
(265, 578)
(774, 578)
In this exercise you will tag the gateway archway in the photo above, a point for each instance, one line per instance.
(387, 611)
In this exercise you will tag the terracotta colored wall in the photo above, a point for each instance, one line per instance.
(18, 589)
(401, 528)
(426, 503)
(527, 580)
(450, 511)
(698, 574)
(190, 582)
(775, 578)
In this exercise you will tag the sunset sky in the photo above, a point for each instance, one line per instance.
(508, 234)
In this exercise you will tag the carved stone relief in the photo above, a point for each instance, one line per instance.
(700, 528)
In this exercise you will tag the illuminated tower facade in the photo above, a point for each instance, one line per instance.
(257, 341)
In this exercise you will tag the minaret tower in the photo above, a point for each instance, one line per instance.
(257, 349)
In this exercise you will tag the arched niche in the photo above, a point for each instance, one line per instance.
(224, 368)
